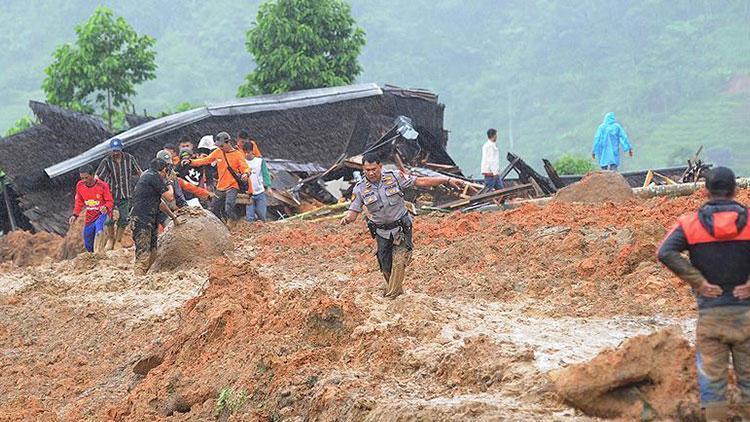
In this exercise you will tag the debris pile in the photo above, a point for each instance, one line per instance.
(597, 187)
(23, 248)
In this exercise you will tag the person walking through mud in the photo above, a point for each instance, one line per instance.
(610, 137)
(119, 170)
(94, 196)
(150, 196)
(381, 193)
(717, 237)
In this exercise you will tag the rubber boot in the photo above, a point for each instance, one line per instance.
(110, 243)
(118, 238)
(401, 257)
(151, 258)
(717, 414)
(141, 264)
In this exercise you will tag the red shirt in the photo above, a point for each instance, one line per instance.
(92, 198)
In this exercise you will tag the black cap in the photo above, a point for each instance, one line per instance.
(721, 181)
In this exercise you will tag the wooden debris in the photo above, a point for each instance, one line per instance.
(552, 174)
(525, 172)
(486, 197)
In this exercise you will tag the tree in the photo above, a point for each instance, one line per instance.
(573, 164)
(301, 44)
(103, 66)
(20, 125)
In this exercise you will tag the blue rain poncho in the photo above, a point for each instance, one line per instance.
(609, 137)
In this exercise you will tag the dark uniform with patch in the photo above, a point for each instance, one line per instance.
(145, 218)
(390, 224)
(717, 237)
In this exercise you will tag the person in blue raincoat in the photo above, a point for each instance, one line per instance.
(609, 138)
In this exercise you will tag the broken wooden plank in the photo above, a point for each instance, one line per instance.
(443, 167)
(525, 172)
(649, 178)
(486, 196)
(552, 174)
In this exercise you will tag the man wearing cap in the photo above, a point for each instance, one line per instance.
(149, 199)
(178, 200)
(120, 171)
(717, 238)
(94, 197)
(232, 169)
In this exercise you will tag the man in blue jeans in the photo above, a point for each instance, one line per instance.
(260, 181)
(717, 238)
(491, 163)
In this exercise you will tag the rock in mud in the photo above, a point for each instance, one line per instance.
(596, 188)
(26, 249)
(197, 242)
(648, 377)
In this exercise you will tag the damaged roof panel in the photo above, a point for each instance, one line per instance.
(276, 102)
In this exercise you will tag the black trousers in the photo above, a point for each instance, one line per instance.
(386, 246)
(145, 236)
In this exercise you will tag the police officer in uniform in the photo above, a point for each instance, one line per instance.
(381, 192)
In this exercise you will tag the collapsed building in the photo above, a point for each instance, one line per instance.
(301, 134)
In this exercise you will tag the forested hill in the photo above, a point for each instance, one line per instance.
(676, 73)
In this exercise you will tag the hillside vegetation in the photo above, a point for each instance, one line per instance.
(676, 73)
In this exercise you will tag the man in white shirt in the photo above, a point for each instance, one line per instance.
(491, 162)
(260, 182)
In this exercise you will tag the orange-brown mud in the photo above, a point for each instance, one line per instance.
(290, 324)
(595, 188)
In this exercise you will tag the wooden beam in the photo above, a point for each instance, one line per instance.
(649, 178)
(485, 196)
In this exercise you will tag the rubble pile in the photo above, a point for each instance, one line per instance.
(597, 187)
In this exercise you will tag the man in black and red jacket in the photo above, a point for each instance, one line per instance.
(717, 237)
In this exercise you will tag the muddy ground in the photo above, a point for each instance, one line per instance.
(290, 324)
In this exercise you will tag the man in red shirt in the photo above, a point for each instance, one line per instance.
(95, 198)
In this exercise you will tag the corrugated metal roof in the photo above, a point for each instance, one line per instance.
(295, 99)
(293, 167)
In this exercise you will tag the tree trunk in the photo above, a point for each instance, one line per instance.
(109, 109)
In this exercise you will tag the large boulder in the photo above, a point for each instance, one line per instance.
(648, 378)
(201, 239)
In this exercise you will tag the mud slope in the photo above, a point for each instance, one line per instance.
(289, 325)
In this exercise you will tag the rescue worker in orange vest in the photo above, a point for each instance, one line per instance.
(233, 174)
(717, 238)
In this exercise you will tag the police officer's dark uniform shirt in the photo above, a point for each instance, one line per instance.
(384, 200)
(147, 196)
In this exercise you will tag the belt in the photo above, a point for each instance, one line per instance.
(388, 226)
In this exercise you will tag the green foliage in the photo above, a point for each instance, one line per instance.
(230, 401)
(20, 125)
(666, 68)
(102, 67)
(573, 164)
(184, 106)
(300, 44)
